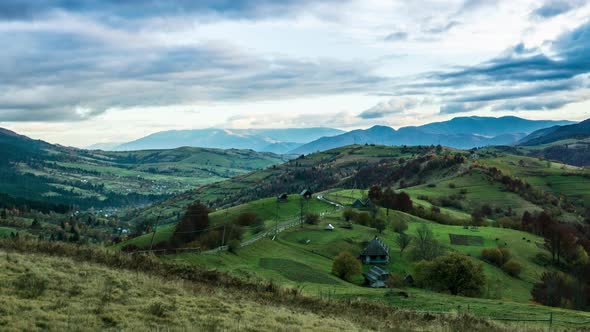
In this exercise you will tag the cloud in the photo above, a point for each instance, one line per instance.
(240, 9)
(61, 73)
(558, 73)
(555, 8)
(390, 107)
(396, 36)
(461, 107)
(442, 28)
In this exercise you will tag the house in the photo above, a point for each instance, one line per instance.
(329, 227)
(376, 277)
(282, 198)
(359, 204)
(376, 252)
(306, 193)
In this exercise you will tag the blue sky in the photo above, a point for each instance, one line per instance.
(81, 72)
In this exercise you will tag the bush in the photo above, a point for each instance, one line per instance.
(246, 218)
(395, 280)
(349, 214)
(455, 273)
(312, 218)
(363, 218)
(492, 255)
(512, 268)
(30, 285)
(346, 266)
(399, 225)
(452, 185)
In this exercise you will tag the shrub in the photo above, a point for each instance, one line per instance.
(363, 218)
(30, 285)
(246, 218)
(312, 218)
(399, 225)
(455, 273)
(349, 214)
(452, 185)
(395, 280)
(497, 256)
(512, 268)
(431, 185)
(346, 266)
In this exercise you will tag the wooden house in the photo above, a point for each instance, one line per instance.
(359, 204)
(376, 252)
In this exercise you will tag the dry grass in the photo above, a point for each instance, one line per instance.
(83, 296)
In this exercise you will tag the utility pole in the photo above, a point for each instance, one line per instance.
(224, 224)
(277, 219)
(155, 229)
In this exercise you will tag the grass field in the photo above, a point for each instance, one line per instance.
(266, 209)
(5, 231)
(303, 258)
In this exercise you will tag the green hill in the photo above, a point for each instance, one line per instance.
(40, 171)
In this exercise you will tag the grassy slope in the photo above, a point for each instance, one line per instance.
(266, 209)
(5, 231)
(290, 261)
(341, 163)
(152, 172)
(82, 297)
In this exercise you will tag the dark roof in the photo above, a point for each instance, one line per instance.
(376, 248)
(283, 196)
(306, 192)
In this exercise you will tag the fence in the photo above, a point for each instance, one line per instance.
(159, 252)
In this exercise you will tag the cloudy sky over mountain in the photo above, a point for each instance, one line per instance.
(80, 72)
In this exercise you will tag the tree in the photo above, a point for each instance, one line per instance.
(388, 200)
(403, 241)
(375, 194)
(380, 225)
(363, 218)
(3, 214)
(346, 266)
(403, 202)
(425, 245)
(554, 289)
(192, 224)
(454, 273)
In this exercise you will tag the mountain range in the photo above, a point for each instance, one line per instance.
(557, 133)
(460, 132)
(264, 140)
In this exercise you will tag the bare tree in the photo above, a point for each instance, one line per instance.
(403, 241)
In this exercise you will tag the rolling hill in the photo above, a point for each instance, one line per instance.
(37, 170)
(267, 140)
(557, 133)
(461, 132)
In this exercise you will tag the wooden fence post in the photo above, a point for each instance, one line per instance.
(550, 320)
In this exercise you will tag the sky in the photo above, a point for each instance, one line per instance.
(97, 71)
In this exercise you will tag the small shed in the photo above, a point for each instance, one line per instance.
(306, 193)
(376, 252)
(282, 197)
(329, 227)
(376, 277)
